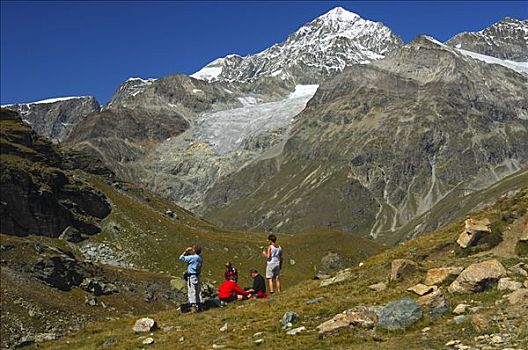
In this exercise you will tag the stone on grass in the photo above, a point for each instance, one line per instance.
(216, 346)
(259, 341)
(144, 325)
(519, 297)
(401, 267)
(42, 337)
(359, 316)
(223, 328)
(422, 289)
(296, 331)
(478, 277)
(435, 303)
(315, 300)
(339, 277)
(507, 283)
(378, 287)
(399, 314)
(148, 341)
(460, 309)
(441, 275)
(289, 317)
(460, 319)
(480, 323)
(473, 231)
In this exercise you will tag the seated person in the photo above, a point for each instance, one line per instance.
(230, 291)
(230, 270)
(259, 285)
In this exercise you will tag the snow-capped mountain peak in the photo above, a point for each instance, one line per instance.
(320, 48)
(506, 39)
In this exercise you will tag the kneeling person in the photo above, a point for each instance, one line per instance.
(259, 285)
(230, 291)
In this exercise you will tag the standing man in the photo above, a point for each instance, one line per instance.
(274, 256)
(191, 256)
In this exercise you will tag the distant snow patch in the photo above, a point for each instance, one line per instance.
(49, 100)
(207, 73)
(303, 91)
(521, 67)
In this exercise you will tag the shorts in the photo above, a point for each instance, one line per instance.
(273, 270)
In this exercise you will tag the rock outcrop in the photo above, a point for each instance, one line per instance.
(400, 268)
(442, 275)
(478, 277)
(473, 231)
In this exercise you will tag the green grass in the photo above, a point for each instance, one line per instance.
(431, 250)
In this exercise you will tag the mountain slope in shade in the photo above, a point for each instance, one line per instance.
(320, 48)
(506, 39)
(56, 117)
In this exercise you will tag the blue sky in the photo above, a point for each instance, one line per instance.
(62, 48)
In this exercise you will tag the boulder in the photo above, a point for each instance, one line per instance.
(144, 325)
(315, 300)
(399, 314)
(421, 289)
(440, 275)
(98, 287)
(401, 267)
(289, 317)
(460, 309)
(60, 271)
(339, 277)
(480, 323)
(435, 303)
(296, 331)
(473, 231)
(331, 262)
(378, 287)
(178, 284)
(460, 319)
(507, 283)
(359, 316)
(519, 297)
(478, 277)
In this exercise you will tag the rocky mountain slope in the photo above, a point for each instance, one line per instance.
(78, 246)
(319, 49)
(55, 118)
(390, 140)
(506, 39)
(425, 293)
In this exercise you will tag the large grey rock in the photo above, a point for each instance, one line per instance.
(473, 231)
(144, 325)
(340, 276)
(399, 314)
(359, 316)
(98, 287)
(441, 275)
(478, 277)
(289, 317)
(435, 303)
(401, 268)
(507, 283)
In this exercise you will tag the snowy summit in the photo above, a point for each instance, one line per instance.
(320, 48)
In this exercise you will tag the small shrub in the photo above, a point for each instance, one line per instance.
(521, 248)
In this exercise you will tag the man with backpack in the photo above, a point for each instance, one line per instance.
(191, 256)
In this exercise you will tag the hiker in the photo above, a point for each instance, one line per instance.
(191, 256)
(259, 285)
(230, 291)
(274, 256)
(230, 270)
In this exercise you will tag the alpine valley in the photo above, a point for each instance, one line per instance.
(341, 136)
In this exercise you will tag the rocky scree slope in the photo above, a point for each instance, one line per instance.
(55, 118)
(506, 39)
(389, 140)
